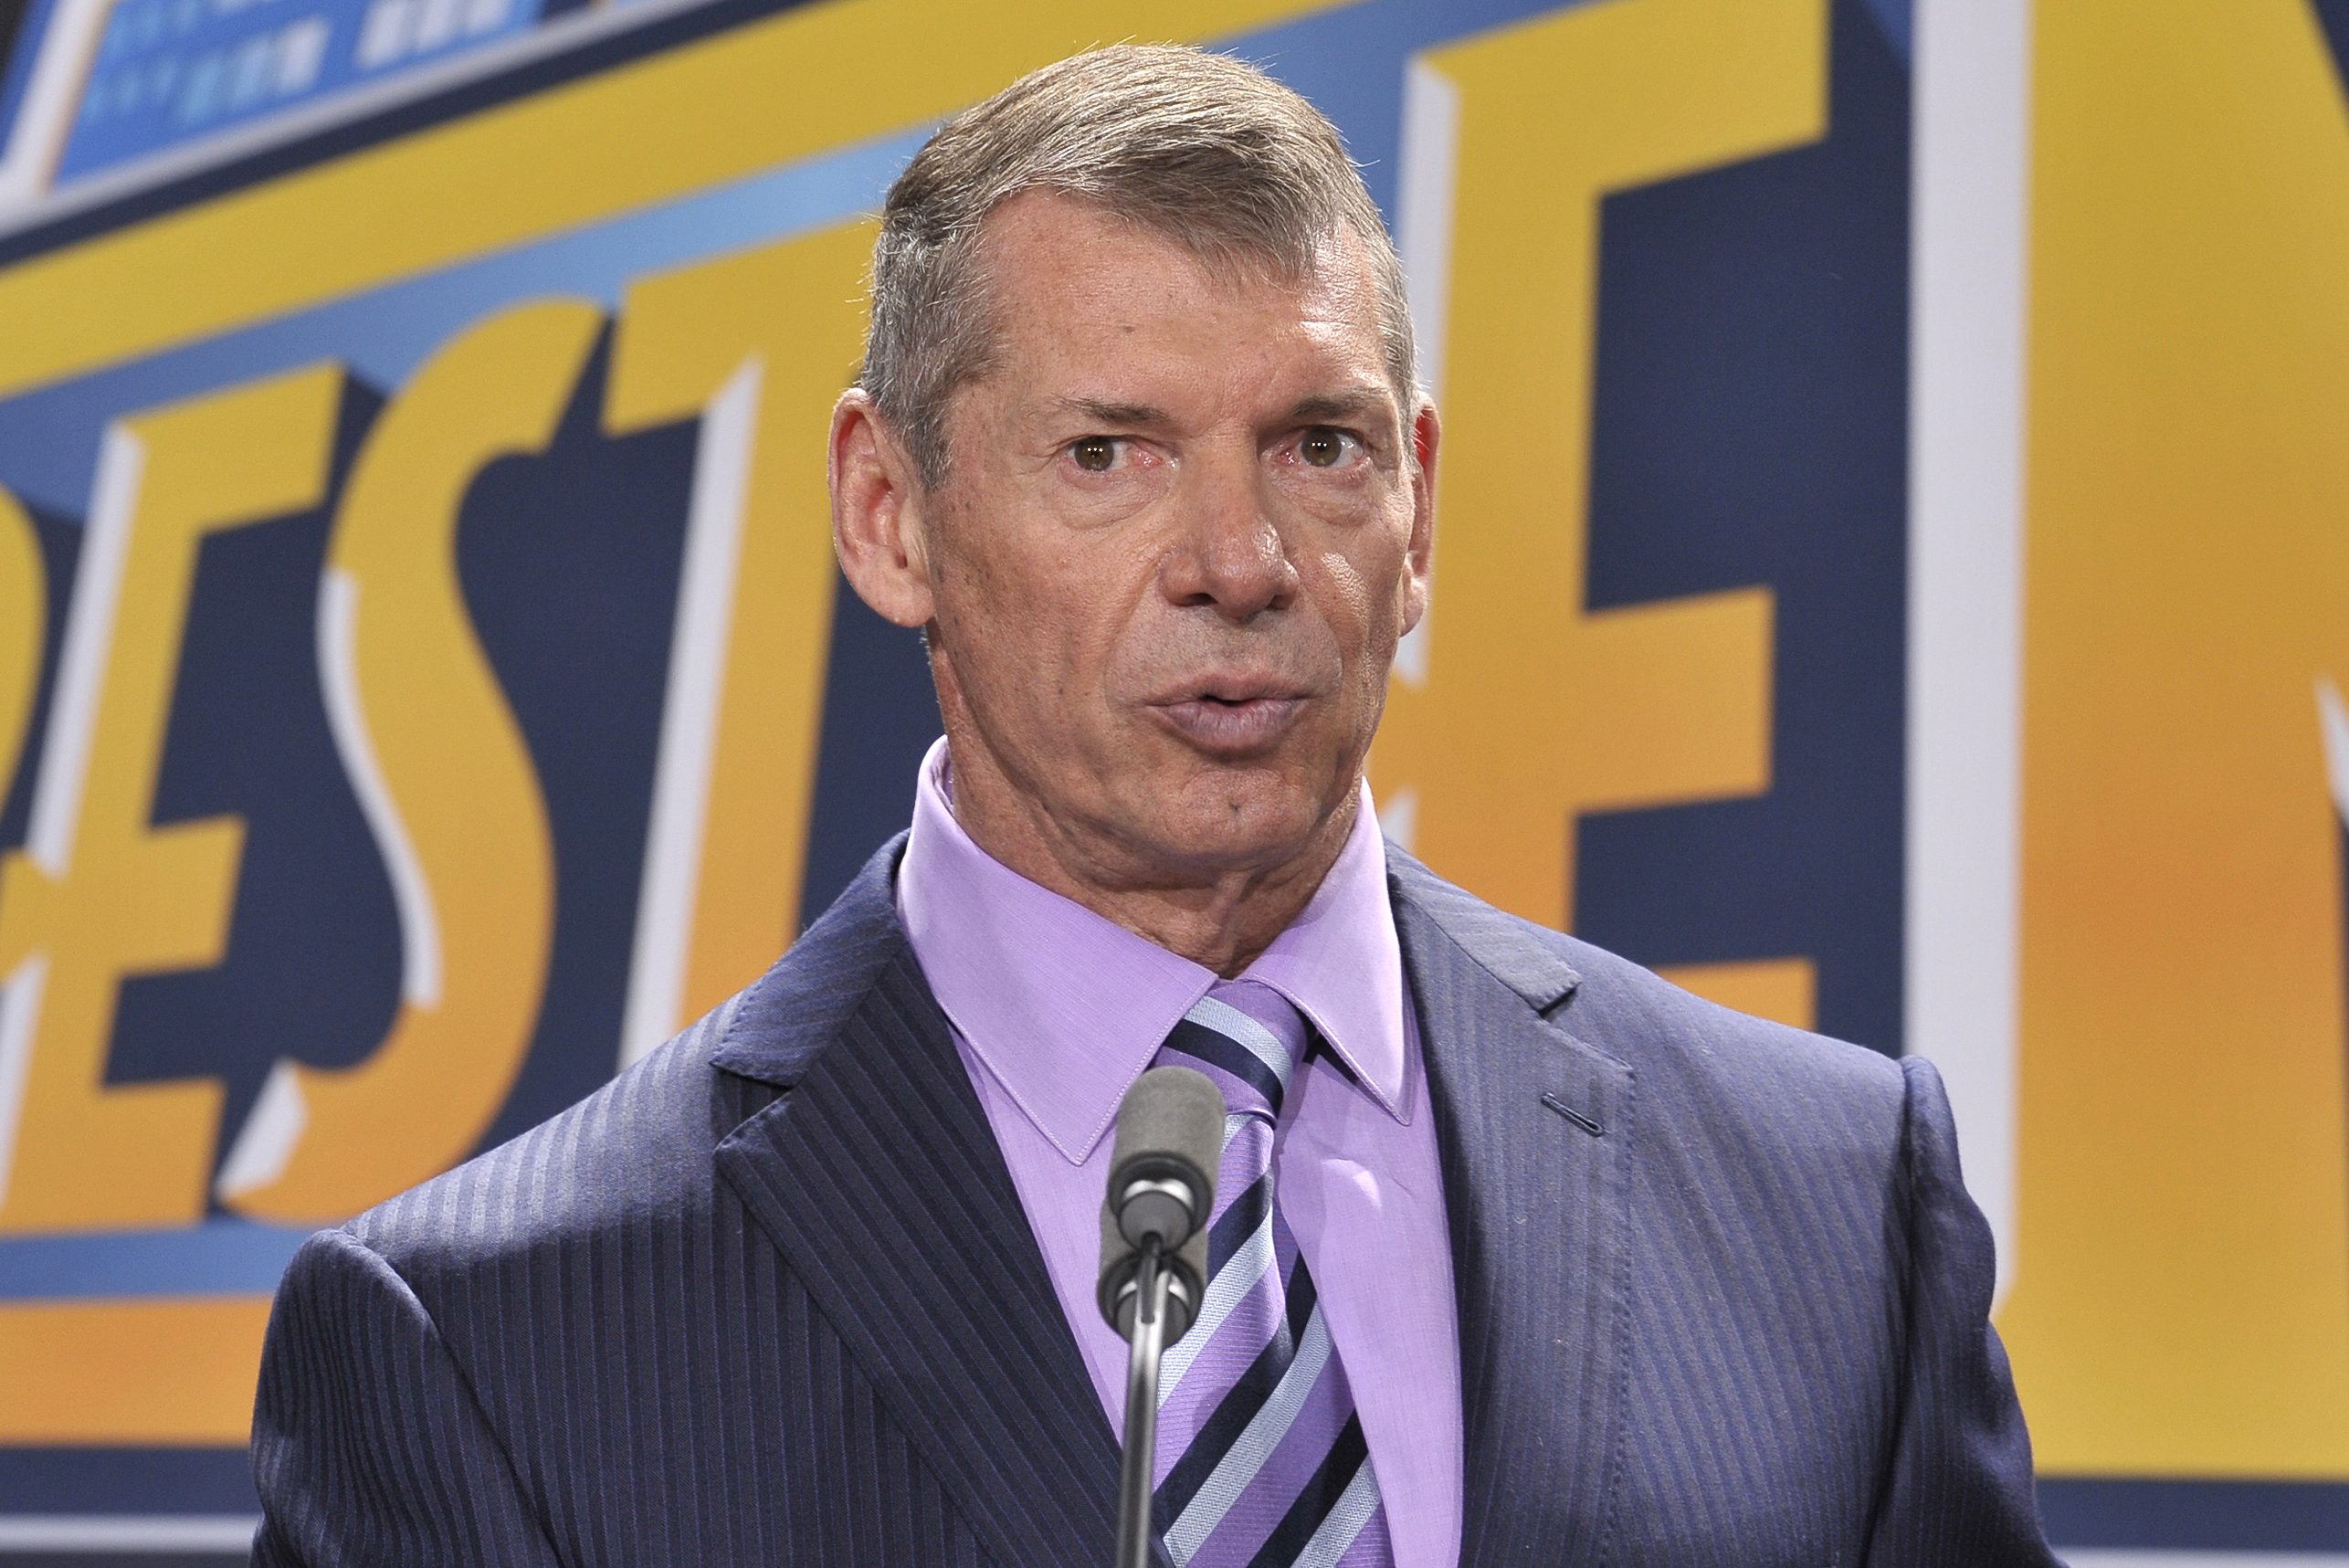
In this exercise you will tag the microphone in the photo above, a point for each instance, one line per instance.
(1170, 1138)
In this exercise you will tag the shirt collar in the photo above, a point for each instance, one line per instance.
(1064, 1008)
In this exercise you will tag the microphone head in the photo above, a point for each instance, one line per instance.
(1162, 1186)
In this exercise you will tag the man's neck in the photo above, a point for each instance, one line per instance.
(1220, 918)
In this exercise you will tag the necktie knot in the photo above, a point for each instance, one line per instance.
(1248, 1037)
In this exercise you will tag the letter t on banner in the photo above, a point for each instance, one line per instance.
(756, 346)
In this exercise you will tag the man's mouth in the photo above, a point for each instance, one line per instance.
(1232, 721)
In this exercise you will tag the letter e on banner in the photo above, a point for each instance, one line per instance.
(100, 893)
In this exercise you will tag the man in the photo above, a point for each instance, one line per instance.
(1520, 1254)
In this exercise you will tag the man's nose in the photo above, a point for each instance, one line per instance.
(1229, 553)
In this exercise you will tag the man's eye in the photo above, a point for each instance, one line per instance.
(1324, 447)
(1095, 454)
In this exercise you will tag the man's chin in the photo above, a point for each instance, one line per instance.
(1239, 830)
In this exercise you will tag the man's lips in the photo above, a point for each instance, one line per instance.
(1234, 722)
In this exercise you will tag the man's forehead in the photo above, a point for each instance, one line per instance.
(1067, 258)
(1104, 305)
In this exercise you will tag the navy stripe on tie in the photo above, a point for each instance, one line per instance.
(1305, 1517)
(1236, 1224)
(1222, 1052)
(1300, 1297)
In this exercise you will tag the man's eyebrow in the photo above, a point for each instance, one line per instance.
(1103, 411)
(1353, 404)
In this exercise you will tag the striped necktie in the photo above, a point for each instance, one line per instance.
(1261, 1462)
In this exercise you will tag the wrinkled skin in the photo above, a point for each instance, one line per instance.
(1185, 523)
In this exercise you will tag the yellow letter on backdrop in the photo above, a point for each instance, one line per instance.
(446, 784)
(1534, 706)
(756, 346)
(99, 893)
(24, 616)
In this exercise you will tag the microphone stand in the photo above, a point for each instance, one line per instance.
(1169, 1129)
(1149, 1343)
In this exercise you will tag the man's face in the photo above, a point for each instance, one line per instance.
(1185, 524)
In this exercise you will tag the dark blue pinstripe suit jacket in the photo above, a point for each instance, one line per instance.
(770, 1298)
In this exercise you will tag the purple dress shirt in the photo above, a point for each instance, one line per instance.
(1056, 1011)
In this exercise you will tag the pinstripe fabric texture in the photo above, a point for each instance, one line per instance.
(770, 1298)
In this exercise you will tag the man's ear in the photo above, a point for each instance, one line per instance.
(879, 523)
(1427, 436)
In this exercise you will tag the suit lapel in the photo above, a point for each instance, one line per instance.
(878, 1176)
(1534, 1128)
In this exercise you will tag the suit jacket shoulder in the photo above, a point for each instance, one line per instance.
(1739, 1073)
(638, 1151)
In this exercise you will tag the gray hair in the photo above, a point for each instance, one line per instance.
(1200, 147)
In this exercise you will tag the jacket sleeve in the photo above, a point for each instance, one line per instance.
(368, 1444)
(1959, 1493)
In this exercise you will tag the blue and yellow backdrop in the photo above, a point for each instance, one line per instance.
(1893, 575)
